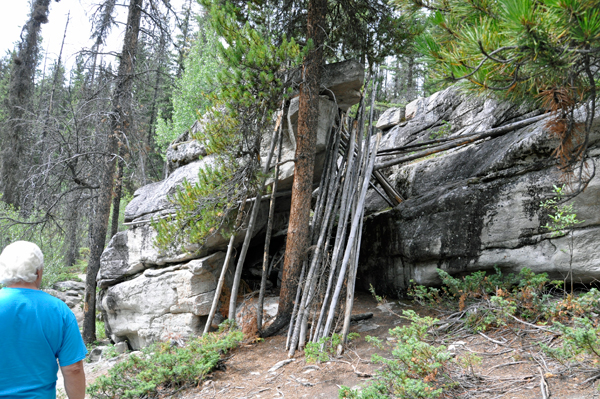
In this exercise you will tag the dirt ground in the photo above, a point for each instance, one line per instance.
(511, 365)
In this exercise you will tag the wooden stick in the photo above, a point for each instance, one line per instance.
(249, 232)
(461, 141)
(353, 231)
(412, 147)
(341, 230)
(215, 303)
(265, 266)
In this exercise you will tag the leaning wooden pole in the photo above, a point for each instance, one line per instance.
(459, 142)
(215, 303)
(353, 232)
(249, 231)
(265, 266)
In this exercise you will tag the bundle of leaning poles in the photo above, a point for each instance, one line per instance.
(329, 273)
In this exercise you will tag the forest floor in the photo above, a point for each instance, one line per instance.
(511, 366)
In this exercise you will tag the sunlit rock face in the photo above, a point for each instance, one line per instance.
(149, 294)
(476, 207)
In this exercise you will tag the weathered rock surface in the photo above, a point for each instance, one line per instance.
(391, 117)
(152, 200)
(476, 207)
(185, 149)
(162, 301)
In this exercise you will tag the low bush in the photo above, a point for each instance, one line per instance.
(418, 369)
(164, 367)
(326, 347)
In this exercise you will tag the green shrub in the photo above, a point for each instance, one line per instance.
(418, 369)
(580, 339)
(164, 366)
(326, 347)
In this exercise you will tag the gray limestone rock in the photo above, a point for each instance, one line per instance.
(151, 305)
(121, 347)
(184, 149)
(476, 207)
(152, 200)
(342, 82)
(69, 286)
(391, 117)
(70, 300)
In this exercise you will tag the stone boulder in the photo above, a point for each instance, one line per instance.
(151, 305)
(185, 149)
(476, 207)
(391, 117)
(152, 200)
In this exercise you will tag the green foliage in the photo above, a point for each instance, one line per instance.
(109, 352)
(523, 45)
(563, 219)
(14, 227)
(442, 131)
(326, 347)
(100, 332)
(192, 95)
(537, 51)
(251, 82)
(418, 369)
(164, 366)
(491, 300)
(583, 338)
(563, 216)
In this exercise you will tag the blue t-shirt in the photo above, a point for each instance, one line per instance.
(35, 330)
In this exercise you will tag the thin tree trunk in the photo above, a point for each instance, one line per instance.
(119, 121)
(308, 116)
(116, 202)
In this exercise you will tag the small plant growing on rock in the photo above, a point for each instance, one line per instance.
(563, 220)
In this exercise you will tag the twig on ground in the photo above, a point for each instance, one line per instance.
(491, 339)
(543, 384)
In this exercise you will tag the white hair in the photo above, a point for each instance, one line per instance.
(19, 262)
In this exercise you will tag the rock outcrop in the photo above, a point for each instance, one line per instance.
(147, 293)
(476, 207)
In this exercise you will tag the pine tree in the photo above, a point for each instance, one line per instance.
(547, 52)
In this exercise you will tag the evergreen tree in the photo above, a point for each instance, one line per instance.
(545, 51)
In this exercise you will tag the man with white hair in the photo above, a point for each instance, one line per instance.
(36, 329)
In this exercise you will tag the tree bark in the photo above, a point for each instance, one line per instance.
(19, 98)
(120, 120)
(308, 115)
(116, 201)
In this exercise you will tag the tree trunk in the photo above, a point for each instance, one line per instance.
(308, 115)
(19, 98)
(116, 201)
(120, 120)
